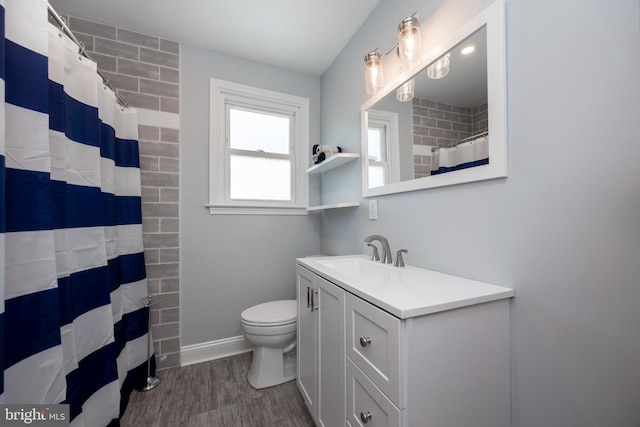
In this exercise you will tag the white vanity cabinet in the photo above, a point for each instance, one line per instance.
(321, 347)
(403, 348)
(449, 368)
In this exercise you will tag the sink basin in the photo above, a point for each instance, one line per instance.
(370, 275)
(356, 266)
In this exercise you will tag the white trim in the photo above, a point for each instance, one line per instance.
(222, 92)
(494, 19)
(158, 118)
(390, 122)
(254, 210)
(212, 350)
(422, 150)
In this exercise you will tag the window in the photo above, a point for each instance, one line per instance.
(377, 150)
(258, 147)
(382, 148)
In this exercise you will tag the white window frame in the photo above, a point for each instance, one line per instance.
(223, 93)
(388, 121)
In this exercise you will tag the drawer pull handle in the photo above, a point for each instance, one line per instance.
(365, 417)
(365, 341)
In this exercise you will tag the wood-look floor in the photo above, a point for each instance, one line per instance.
(217, 394)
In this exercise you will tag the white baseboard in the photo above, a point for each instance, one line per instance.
(206, 351)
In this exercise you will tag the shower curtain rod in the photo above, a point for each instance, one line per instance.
(469, 138)
(65, 28)
(477, 135)
(460, 141)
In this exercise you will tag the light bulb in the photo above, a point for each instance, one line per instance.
(468, 50)
(373, 76)
(440, 68)
(409, 42)
(405, 92)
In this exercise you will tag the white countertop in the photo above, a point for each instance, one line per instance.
(404, 292)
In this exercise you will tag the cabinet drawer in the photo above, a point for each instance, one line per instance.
(374, 344)
(367, 406)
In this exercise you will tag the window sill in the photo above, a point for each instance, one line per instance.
(255, 210)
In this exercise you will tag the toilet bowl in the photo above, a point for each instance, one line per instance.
(271, 329)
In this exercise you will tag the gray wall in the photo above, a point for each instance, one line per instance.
(231, 262)
(563, 229)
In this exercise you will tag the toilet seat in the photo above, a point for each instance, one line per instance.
(273, 313)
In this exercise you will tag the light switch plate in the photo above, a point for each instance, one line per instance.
(373, 209)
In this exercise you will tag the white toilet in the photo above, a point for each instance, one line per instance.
(271, 328)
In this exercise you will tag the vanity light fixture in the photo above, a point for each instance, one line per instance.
(373, 72)
(408, 49)
(409, 42)
(440, 68)
(405, 92)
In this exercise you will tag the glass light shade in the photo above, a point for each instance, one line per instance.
(405, 92)
(373, 72)
(409, 42)
(440, 68)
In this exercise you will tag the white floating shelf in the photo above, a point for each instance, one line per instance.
(333, 206)
(333, 162)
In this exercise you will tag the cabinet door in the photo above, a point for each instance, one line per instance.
(331, 375)
(374, 343)
(367, 405)
(307, 336)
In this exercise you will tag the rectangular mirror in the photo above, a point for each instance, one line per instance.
(444, 123)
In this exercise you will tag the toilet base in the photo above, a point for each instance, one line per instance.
(270, 367)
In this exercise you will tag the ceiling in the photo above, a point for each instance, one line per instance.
(304, 36)
(466, 83)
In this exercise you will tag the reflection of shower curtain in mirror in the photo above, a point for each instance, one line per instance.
(73, 326)
(465, 155)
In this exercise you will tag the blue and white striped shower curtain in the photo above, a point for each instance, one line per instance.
(463, 156)
(73, 322)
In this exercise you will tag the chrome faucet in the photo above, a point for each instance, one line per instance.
(399, 260)
(386, 251)
(374, 256)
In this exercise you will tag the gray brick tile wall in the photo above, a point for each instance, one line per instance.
(145, 70)
(92, 29)
(169, 46)
(150, 225)
(154, 87)
(159, 149)
(137, 69)
(105, 62)
(169, 75)
(135, 55)
(168, 225)
(436, 124)
(117, 49)
(169, 105)
(121, 81)
(138, 39)
(158, 57)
